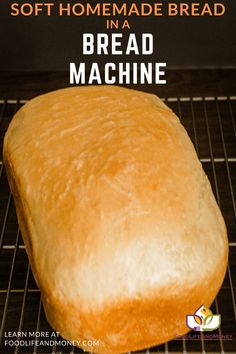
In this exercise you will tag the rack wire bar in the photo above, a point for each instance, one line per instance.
(231, 192)
(38, 323)
(179, 111)
(168, 99)
(23, 307)
(210, 122)
(219, 329)
(232, 116)
(232, 291)
(226, 159)
(180, 116)
(9, 287)
(5, 219)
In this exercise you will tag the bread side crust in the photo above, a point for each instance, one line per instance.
(23, 215)
(133, 324)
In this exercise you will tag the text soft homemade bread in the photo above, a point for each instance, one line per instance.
(120, 224)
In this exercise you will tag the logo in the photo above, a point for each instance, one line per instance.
(203, 320)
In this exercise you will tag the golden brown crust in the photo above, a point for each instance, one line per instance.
(22, 213)
(122, 230)
(135, 324)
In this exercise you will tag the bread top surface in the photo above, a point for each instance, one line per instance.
(116, 199)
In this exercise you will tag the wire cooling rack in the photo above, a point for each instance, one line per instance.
(210, 122)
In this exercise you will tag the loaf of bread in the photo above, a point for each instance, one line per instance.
(120, 224)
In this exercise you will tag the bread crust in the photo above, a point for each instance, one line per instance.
(120, 224)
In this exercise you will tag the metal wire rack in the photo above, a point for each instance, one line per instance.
(210, 122)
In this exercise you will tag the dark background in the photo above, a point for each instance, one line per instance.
(49, 43)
